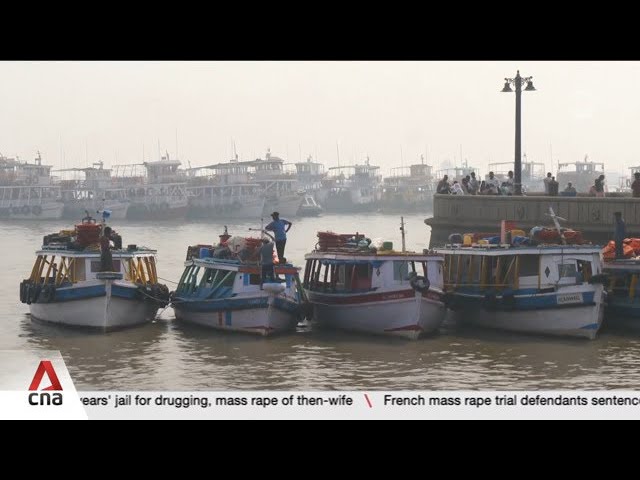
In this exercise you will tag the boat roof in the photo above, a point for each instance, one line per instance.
(225, 264)
(505, 249)
(357, 256)
(68, 252)
(629, 264)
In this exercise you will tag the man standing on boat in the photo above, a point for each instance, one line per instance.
(106, 260)
(635, 186)
(266, 261)
(279, 227)
(620, 233)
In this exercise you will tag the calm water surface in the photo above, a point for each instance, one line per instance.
(166, 355)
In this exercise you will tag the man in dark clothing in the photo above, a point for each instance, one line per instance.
(553, 187)
(279, 227)
(635, 186)
(620, 234)
(599, 184)
(266, 261)
(106, 260)
(443, 186)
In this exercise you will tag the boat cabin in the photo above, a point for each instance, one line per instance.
(499, 268)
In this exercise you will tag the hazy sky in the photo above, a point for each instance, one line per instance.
(112, 109)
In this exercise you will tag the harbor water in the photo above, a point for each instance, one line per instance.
(167, 355)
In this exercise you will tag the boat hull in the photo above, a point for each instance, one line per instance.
(573, 312)
(406, 314)
(286, 206)
(623, 313)
(97, 306)
(47, 211)
(251, 209)
(263, 316)
(75, 210)
(142, 211)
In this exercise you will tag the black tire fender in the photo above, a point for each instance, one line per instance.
(420, 283)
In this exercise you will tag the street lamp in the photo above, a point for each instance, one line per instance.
(517, 82)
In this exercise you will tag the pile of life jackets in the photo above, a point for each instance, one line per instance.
(630, 249)
(551, 235)
(331, 240)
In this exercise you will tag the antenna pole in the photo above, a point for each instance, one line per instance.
(552, 214)
(404, 248)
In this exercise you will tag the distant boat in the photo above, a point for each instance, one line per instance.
(27, 191)
(582, 175)
(309, 207)
(409, 188)
(352, 188)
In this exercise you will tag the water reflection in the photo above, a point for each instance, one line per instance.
(174, 356)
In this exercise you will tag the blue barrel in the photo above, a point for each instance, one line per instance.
(204, 253)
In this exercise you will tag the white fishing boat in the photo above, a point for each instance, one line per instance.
(67, 286)
(228, 293)
(353, 188)
(385, 292)
(224, 190)
(27, 191)
(548, 288)
(90, 189)
(409, 188)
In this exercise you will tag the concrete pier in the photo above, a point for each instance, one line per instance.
(473, 213)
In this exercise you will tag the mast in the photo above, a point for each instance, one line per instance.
(404, 249)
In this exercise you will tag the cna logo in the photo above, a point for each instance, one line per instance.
(45, 398)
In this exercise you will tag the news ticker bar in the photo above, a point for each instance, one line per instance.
(362, 405)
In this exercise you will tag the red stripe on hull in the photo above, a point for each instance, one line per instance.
(346, 299)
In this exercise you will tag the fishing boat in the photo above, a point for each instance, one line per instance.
(582, 175)
(27, 191)
(221, 288)
(409, 188)
(309, 207)
(352, 188)
(352, 286)
(532, 176)
(223, 190)
(623, 291)
(67, 286)
(92, 193)
(537, 284)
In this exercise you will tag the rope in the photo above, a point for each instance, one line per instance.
(170, 281)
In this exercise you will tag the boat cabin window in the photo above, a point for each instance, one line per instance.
(342, 277)
(214, 278)
(567, 270)
(584, 270)
(487, 271)
(401, 270)
(529, 265)
(361, 277)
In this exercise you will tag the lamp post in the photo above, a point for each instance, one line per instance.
(517, 82)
